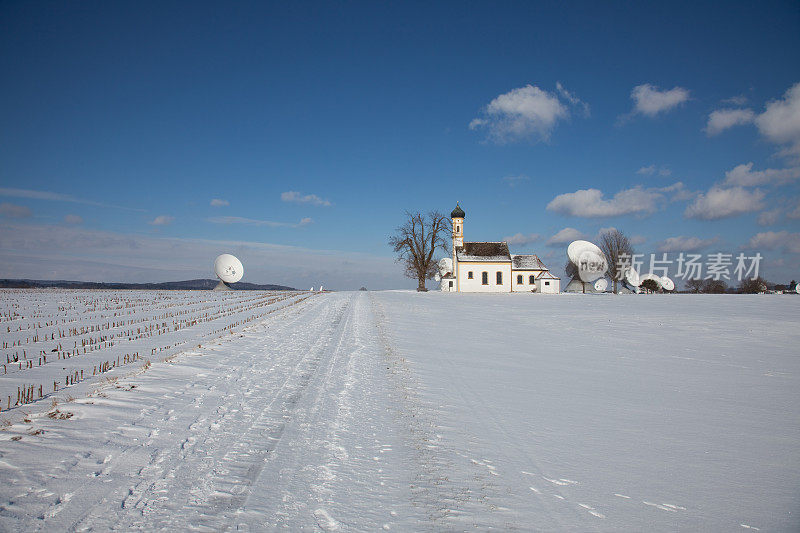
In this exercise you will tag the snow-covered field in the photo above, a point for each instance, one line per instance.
(402, 411)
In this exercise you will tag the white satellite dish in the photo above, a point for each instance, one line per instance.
(229, 270)
(632, 277)
(601, 285)
(311, 289)
(320, 288)
(589, 259)
(445, 265)
(576, 248)
(797, 288)
(591, 266)
(667, 283)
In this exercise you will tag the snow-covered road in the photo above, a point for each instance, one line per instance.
(286, 424)
(430, 412)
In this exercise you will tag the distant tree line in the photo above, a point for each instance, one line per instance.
(747, 286)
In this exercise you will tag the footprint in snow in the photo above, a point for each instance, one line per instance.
(325, 521)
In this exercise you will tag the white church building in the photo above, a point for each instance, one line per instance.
(491, 267)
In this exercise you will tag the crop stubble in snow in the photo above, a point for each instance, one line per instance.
(406, 411)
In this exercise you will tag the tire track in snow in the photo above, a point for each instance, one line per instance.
(342, 464)
(254, 429)
(448, 500)
(139, 474)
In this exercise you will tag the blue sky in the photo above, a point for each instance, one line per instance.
(316, 125)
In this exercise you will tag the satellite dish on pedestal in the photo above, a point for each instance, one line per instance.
(632, 277)
(229, 270)
(667, 284)
(445, 265)
(601, 285)
(797, 288)
(589, 260)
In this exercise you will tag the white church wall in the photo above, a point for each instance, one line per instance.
(526, 285)
(476, 283)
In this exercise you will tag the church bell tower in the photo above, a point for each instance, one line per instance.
(457, 216)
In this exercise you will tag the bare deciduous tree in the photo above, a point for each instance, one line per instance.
(618, 251)
(694, 285)
(753, 286)
(712, 286)
(416, 241)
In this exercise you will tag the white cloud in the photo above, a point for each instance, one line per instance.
(794, 214)
(564, 236)
(75, 252)
(721, 202)
(513, 181)
(255, 222)
(635, 239)
(73, 219)
(162, 220)
(723, 119)
(649, 100)
(592, 203)
(300, 198)
(739, 100)
(55, 197)
(744, 175)
(652, 169)
(14, 210)
(768, 218)
(572, 99)
(780, 121)
(606, 230)
(218, 202)
(524, 113)
(772, 240)
(521, 239)
(684, 244)
(681, 193)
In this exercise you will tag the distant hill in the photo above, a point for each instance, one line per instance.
(190, 285)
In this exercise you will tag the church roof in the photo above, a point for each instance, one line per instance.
(547, 275)
(527, 262)
(483, 251)
(457, 212)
